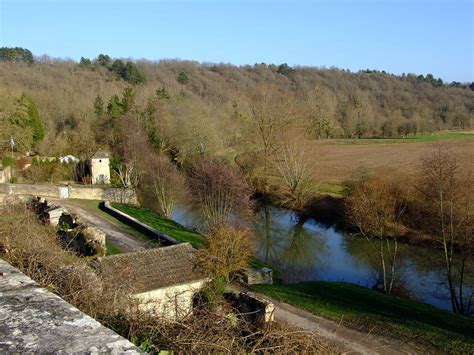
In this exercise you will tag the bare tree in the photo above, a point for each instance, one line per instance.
(376, 206)
(219, 190)
(295, 173)
(167, 182)
(271, 113)
(446, 195)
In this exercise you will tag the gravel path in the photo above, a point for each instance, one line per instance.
(347, 341)
(116, 234)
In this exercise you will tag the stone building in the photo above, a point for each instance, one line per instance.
(5, 174)
(100, 168)
(165, 280)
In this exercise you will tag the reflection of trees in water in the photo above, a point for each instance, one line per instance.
(363, 256)
(290, 247)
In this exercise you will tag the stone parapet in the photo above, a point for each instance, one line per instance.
(35, 320)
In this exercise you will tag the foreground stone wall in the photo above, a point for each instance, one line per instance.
(34, 320)
(78, 192)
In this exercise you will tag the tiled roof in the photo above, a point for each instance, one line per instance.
(153, 268)
(100, 155)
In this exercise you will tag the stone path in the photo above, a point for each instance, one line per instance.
(117, 235)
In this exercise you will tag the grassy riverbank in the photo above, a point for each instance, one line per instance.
(356, 307)
(164, 225)
(370, 311)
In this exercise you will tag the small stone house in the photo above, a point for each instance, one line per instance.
(165, 280)
(100, 168)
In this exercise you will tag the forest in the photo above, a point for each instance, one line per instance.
(190, 109)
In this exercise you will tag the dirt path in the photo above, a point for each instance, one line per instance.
(345, 340)
(117, 235)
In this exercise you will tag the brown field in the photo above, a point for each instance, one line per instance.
(336, 162)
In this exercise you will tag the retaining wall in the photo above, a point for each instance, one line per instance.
(78, 192)
(34, 320)
(135, 223)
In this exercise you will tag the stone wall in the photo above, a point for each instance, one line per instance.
(34, 320)
(173, 302)
(74, 191)
(135, 223)
(74, 234)
(5, 174)
(256, 310)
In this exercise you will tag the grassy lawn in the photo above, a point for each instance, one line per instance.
(164, 225)
(371, 311)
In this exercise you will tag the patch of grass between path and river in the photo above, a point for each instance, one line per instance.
(370, 311)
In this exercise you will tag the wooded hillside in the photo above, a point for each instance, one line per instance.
(189, 109)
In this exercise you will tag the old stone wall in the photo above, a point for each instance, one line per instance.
(34, 320)
(5, 174)
(135, 223)
(173, 302)
(74, 191)
(75, 234)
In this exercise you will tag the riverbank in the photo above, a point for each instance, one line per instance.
(329, 210)
(417, 323)
(355, 307)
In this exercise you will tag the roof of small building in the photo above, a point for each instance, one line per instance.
(100, 155)
(154, 268)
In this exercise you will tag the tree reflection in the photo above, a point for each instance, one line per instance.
(291, 247)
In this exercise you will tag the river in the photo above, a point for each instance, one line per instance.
(305, 250)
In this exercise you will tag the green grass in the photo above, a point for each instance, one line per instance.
(164, 225)
(175, 230)
(94, 205)
(369, 310)
(112, 249)
(332, 189)
(419, 138)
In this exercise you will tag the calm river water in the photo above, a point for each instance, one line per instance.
(305, 250)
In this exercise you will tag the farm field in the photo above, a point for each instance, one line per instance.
(338, 160)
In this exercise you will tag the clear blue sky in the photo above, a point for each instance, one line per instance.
(417, 36)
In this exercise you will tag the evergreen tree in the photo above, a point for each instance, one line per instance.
(118, 67)
(99, 106)
(162, 93)
(103, 60)
(132, 74)
(128, 99)
(285, 69)
(27, 117)
(16, 54)
(85, 62)
(183, 78)
(115, 107)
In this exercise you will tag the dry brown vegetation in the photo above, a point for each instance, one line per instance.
(35, 250)
(338, 162)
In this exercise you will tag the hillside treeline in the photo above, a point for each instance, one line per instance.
(190, 109)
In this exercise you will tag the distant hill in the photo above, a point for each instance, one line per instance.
(191, 103)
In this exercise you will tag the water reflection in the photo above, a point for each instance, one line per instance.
(286, 243)
(305, 250)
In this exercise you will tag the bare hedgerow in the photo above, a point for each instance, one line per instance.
(36, 251)
(219, 191)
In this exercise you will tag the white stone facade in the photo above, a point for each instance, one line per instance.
(172, 302)
(100, 168)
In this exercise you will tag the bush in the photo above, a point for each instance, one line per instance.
(51, 172)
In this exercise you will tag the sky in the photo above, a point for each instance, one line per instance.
(398, 36)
